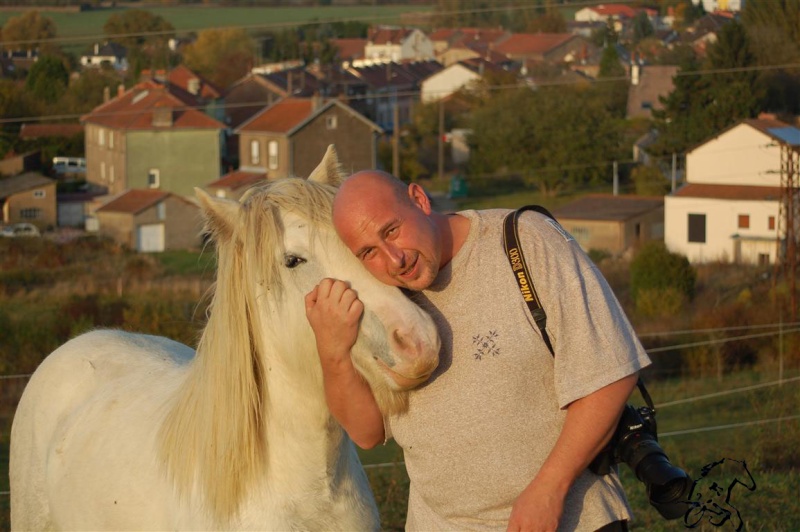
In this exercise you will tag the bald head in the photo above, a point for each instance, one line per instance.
(369, 186)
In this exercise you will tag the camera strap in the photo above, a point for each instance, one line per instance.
(522, 274)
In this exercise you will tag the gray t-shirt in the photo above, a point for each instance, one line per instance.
(478, 431)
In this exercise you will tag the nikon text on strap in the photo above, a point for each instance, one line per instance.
(520, 268)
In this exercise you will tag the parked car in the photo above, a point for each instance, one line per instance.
(69, 165)
(20, 230)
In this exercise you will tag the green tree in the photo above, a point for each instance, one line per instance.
(144, 35)
(223, 55)
(47, 79)
(701, 104)
(642, 27)
(649, 180)
(86, 91)
(550, 22)
(28, 31)
(557, 139)
(661, 281)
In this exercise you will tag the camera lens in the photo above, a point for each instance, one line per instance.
(671, 499)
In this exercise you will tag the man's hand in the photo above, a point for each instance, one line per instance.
(334, 310)
(538, 508)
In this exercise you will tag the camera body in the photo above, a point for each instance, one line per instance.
(635, 442)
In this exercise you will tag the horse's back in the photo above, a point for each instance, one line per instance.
(81, 399)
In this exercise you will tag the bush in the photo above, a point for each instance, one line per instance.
(657, 273)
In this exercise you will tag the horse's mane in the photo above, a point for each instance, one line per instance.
(212, 438)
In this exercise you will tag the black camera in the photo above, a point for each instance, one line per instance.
(635, 442)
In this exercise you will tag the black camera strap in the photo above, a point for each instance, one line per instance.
(525, 282)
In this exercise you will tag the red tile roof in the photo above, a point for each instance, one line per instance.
(729, 192)
(35, 131)
(181, 76)
(350, 48)
(238, 179)
(133, 109)
(532, 43)
(388, 35)
(281, 117)
(134, 201)
(614, 10)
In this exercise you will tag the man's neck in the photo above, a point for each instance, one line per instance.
(453, 231)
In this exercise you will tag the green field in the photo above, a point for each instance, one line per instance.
(87, 27)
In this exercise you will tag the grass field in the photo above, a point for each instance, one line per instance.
(87, 26)
(770, 451)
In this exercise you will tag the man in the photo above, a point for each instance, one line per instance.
(501, 434)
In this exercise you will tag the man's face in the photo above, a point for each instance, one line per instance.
(391, 233)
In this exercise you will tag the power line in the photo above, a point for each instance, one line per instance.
(729, 426)
(718, 341)
(726, 392)
(719, 329)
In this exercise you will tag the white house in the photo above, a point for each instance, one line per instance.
(729, 207)
(110, 53)
(448, 80)
(390, 43)
(720, 5)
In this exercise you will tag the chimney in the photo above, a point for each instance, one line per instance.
(120, 89)
(162, 116)
(635, 70)
(194, 86)
(316, 101)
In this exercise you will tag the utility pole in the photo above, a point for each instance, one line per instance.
(441, 139)
(616, 179)
(674, 171)
(396, 140)
(788, 219)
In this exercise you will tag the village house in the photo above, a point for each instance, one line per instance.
(728, 209)
(148, 220)
(234, 184)
(290, 137)
(152, 136)
(391, 43)
(613, 224)
(28, 197)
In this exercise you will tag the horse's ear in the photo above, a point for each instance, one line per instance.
(220, 213)
(328, 170)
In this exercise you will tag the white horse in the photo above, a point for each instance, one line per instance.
(120, 431)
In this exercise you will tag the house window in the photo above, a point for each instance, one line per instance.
(581, 234)
(102, 171)
(763, 259)
(101, 136)
(273, 154)
(111, 173)
(30, 214)
(161, 211)
(744, 221)
(111, 140)
(637, 231)
(153, 178)
(255, 152)
(697, 228)
(331, 122)
(771, 223)
(39, 194)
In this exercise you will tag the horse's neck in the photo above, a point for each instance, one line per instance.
(296, 415)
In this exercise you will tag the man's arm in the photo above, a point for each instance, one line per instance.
(589, 425)
(334, 312)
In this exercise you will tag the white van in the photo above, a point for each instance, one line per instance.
(69, 165)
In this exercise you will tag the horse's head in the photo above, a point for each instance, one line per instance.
(283, 237)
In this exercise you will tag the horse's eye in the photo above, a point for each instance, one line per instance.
(293, 261)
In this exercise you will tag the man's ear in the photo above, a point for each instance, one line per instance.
(419, 197)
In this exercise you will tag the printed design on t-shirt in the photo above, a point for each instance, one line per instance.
(485, 345)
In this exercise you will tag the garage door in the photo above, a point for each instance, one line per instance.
(150, 238)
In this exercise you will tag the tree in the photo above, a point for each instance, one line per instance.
(649, 180)
(223, 56)
(550, 22)
(661, 281)
(701, 104)
(145, 36)
(642, 27)
(557, 139)
(28, 31)
(47, 79)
